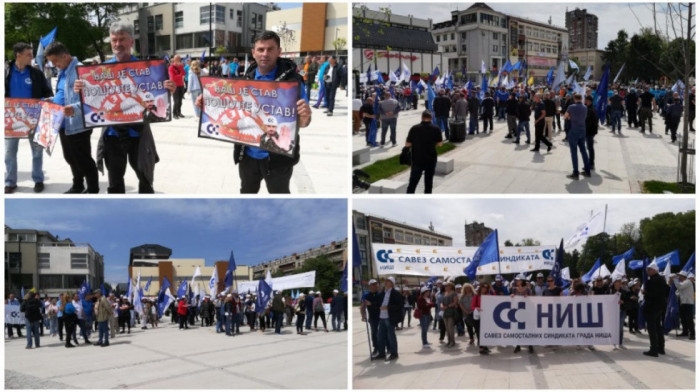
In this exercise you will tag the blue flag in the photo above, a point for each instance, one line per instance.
(182, 290)
(484, 86)
(48, 38)
(148, 284)
(369, 72)
(558, 265)
(166, 58)
(635, 264)
(43, 43)
(470, 87)
(102, 287)
(436, 72)
(166, 285)
(264, 296)
(450, 82)
(523, 68)
(84, 289)
(397, 73)
(391, 91)
(627, 256)
(671, 319)
(229, 278)
(187, 57)
(602, 94)
(487, 253)
(690, 265)
(430, 282)
(641, 320)
(515, 67)
(672, 257)
(204, 53)
(587, 277)
(431, 98)
(550, 76)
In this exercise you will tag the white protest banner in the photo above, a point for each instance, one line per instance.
(417, 260)
(13, 315)
(305, 279)
(538, 321)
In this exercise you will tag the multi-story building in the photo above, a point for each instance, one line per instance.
(583, 29)
(475, 233)
(541, 45)
(184, 28)
(586, 57)
(471, 36)
(313, 28)
(372, 229)
(335, 252)
(388, 40)
(38, 259)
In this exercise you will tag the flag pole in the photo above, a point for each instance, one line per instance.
(365, 313)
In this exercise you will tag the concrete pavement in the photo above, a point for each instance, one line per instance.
(198, 358)
(557, 368)
(488, 163)
(192, 165)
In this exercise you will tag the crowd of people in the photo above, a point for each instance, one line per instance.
(110, 315)
(455, 309)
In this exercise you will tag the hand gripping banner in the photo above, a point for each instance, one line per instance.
(129, 92)
(256, 113)
(50, 123)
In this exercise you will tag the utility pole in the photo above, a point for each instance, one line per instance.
(211, 41)
(686, 64)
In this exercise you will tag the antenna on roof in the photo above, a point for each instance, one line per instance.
(550, 19)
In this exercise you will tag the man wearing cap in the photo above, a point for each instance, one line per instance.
(149, 109)
(309, 309)
(369, 305)
(272, 140)
(540, 285)
(655, 293)
(278, 309)
(104, 313)
(686, 294)
(389, 317)
(336, 309)
(498, 287)
(422, 140)
(229, 314)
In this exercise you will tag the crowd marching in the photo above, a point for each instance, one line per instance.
(110, 315)
(455, 309)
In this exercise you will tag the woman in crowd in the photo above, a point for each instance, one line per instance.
(300, 310)
(423, 306)
(624, 301)
(408, 303)
(484, 289)
(448, 306)
(52, 316)
(70, 319)
(124, 315)
(465, 304)
(193, 85)
(319, 312)
(521, 288)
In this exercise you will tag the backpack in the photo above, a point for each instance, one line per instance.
(318, 307)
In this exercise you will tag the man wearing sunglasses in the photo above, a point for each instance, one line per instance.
(552, 289)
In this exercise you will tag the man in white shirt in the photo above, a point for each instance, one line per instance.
(686, 294)
(77, 303)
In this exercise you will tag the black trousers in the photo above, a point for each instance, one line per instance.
(672, 123)
(322, 315)
(330, 94)
(656, 331)
(416, 173)
(686, 313)
(632, 116)
(117, 151)
(78, 154)
(300, 322)
(182, 318)
(177, 100)
(590, 145)
(488, 120)
(253, 171)
(9, 329)
(60, 327)
(70, 332)
(539, 135)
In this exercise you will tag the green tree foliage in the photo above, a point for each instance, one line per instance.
(82, 27)
(665, 232)
(327, 274)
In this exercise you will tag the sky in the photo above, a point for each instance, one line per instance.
(545, 220)
(612, 17)
(256, 230)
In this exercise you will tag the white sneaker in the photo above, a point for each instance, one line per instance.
(426, 346)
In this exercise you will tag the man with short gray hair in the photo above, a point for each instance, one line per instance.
(389, 114)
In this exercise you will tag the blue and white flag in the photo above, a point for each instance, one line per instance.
(138, 296)
(148, 283)
(589, 71)
(602, 94)
(369, 72)
(264, 296)
(635, 264)
(690, 265)
(483, 67)
(43, 43)
(84, 289)
(436, 72)
(230, 272)
(129, 284)
(406, 73)
(619, 270)
(487, 253)
(213, 283)
(573, 65)
(516, 66)
(589, 275)
(673, 257)
(560, 76)
(164, 301)
(626, 256)
(592, 226)
(556, 271)
(165, 286)
(550, 76)
(182, 290)
(617, 76)
(672, 316)
(484, 86)
(204, 55)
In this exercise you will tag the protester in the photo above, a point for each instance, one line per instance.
(193, 86)
(176, 71)
(591, 131)
(32, 315)
(390, 312)
(389, 114)
(300, 311)
(577, 113)
(646, 101)
(540, 119)
(484, 289)
(441, 106)
(423, 307)
(448, 307)
(369, 308)
(686, 295)
(487, 106)
(319, 311)
(336, 310)
(332, 79)
(70, 320)
(655, 294)
(422, 140)
(523, 119)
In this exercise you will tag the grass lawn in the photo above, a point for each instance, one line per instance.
(660, 187)
(388, 167)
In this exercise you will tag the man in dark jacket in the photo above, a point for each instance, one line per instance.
(24, 81)
(333, 79)
(442, 105)
(390, 315)
(369, 307)
(278, 309)
(673, 116)
(511, 115)
(655, 294)
(591, 130)
(336, 309)
(473, 103)
(32, 314)
(487, 106)
(422, 140)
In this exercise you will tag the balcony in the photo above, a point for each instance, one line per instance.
(521, 37)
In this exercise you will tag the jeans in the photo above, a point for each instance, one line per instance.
(523, 125)
(194, 94)
(416, 172)
(309, 316)
(407, 314)
(321, 94)
(444, 125)
(655, 330)
(335, 321)
(578, 141)
(424, 325)
(308, 92)
(229, 321)
(300, 322)
(389, 123)
(373, 329)
(83, 329)
(501, 112)
(32, 328)
(11, 146)
(622, 323)
(278, 321)
(53, 325)
(616, 120)
(330, 98)
(591, 151)
(386, 338)
(473, 124)
(103, 331)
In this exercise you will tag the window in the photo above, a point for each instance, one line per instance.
(503, 50)
(159, 22)
(14, 259)
(253, 19)
(260, 22)
(151, 24)
(433, 241)
(52, 281)
(452, 36)
(464, 48)
(426, 241)
(495, 36)
(360, 223)
(495, 48)
(239, 18)
(163, 43)
(464, 35)
(201, 39)
(441, 242)
(387, 232)
(183, 41)
(44, 259)
(73, 280)
(136, 26)
(399, 235)
(78, 260)
(469, 18)
(24, 237)
(179, 19)
(219, 14)
(409, 237)
(437, 38)
(230, 13)
(417, 240)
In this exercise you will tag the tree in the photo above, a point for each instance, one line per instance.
(220, 50)
(665, 232)
(616, 51)
(643, 48)
(528, 242)
(508, 243)
(327, 274)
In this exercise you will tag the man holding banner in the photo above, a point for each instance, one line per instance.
(24, 81)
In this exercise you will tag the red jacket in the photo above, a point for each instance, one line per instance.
(177, 74)
(423, 305)
(182, 307)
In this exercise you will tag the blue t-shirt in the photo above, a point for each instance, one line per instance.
(60, 97)
(87, 307)
(20, 83)
(578, 112)
(232, 68)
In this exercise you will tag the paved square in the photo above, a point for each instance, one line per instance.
(557, 368)
(198, 358)
(192, 165)
(489, 163)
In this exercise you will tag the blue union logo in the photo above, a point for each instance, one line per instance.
(383, 256)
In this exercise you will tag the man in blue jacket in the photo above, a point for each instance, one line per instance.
(24, 81)
(309, 309)
(336, 310)
(75, 139)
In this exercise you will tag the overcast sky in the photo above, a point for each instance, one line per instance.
(255, 230)
(612, 17)
(545, 220)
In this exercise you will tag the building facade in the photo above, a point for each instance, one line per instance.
(470, 36)
(540, 45)
(592, 57)
(583, 29)
(313, 28)
(335, 252)
(372, 229)
(38, 259)
(183, 28)
(475, 233)
(388, 40)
